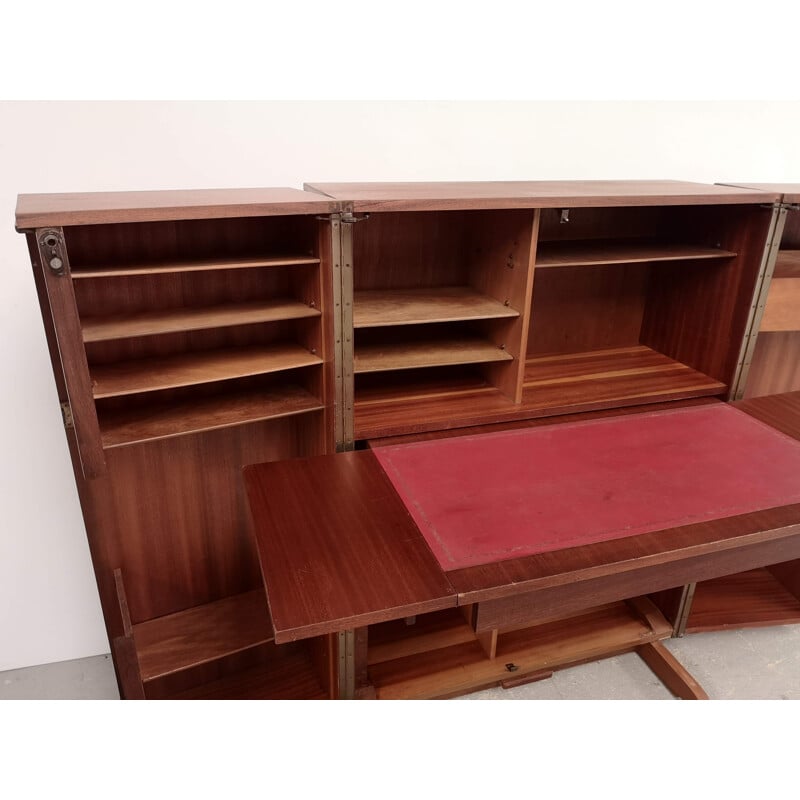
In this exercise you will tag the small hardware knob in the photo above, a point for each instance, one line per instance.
(56, 264)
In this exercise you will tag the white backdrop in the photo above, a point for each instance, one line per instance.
(49, 610)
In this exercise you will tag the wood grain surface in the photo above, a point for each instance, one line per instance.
(442, 195)
(186, 369)
(96, 208)
(434, 353)
(200, 634)
(378, 308)
(337, 547)
(152, 323)
(581, 253)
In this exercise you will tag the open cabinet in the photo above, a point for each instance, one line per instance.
(294, 334)
(191, 334)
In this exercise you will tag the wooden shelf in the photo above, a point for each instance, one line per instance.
(553, 385)
(151, 323)
(187, 369)
(464, 667)
(435, 353)
(594, 253)
(203, 265)
(604, 378)
(751, 599)
(198, 635)
(130, 426)
(375, 309)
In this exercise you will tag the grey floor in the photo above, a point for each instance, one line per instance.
(757, 664)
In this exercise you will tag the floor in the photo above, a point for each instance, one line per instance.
(760, 663)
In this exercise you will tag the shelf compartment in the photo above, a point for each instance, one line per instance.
(187, 369)
(749, 599)
(374, 308)
(152, 323)
(435, 353)
(605, 378)
(595, 253)
(461, 668)
(120, 427)
(782, 311)
(200, 265)
(199, 635)
(788, 264)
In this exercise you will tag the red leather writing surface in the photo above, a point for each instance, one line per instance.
(479, 499)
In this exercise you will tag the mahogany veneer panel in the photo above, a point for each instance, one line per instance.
(320, 583)
(284, 677)
(782, 312)
(147, 375)
(570, 254)
(205, 265)
(378, 308)
(130, 426)
(780, 411)
(95, 208)
(413, 196)
(151, 323)
(775, 368)
(201, 634)
(745, 600)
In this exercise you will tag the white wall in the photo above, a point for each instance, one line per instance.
(49, 610)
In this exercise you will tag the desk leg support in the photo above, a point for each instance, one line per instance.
(671, 672)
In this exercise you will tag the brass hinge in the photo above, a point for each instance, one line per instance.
(66, 415)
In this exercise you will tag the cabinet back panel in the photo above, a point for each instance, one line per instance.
(579, 308)
(697, 312)
(172, 514)
(183, 240)
(410, 250)
(603, 223)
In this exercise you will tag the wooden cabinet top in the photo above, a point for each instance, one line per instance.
(94, 208)
(790, 192)
(420, 196)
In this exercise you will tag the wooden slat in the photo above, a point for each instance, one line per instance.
(151, 323)
(337, 547)
(782, 312)
(463, 668)
(146, 375)
(201, 265)
(576, 254)
(131, 426)
(201, 634)
(745, 600)
(374, 308)
(437, 353)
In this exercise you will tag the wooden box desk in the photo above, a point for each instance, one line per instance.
(448, 565)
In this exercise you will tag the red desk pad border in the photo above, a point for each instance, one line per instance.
(490, 497)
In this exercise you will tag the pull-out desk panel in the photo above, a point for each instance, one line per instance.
(356, 556)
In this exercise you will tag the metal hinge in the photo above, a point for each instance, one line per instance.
(66, 415)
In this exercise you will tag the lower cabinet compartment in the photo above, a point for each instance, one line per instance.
(440, 655)
(756, 598)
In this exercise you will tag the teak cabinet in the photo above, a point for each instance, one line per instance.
(195, 333)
